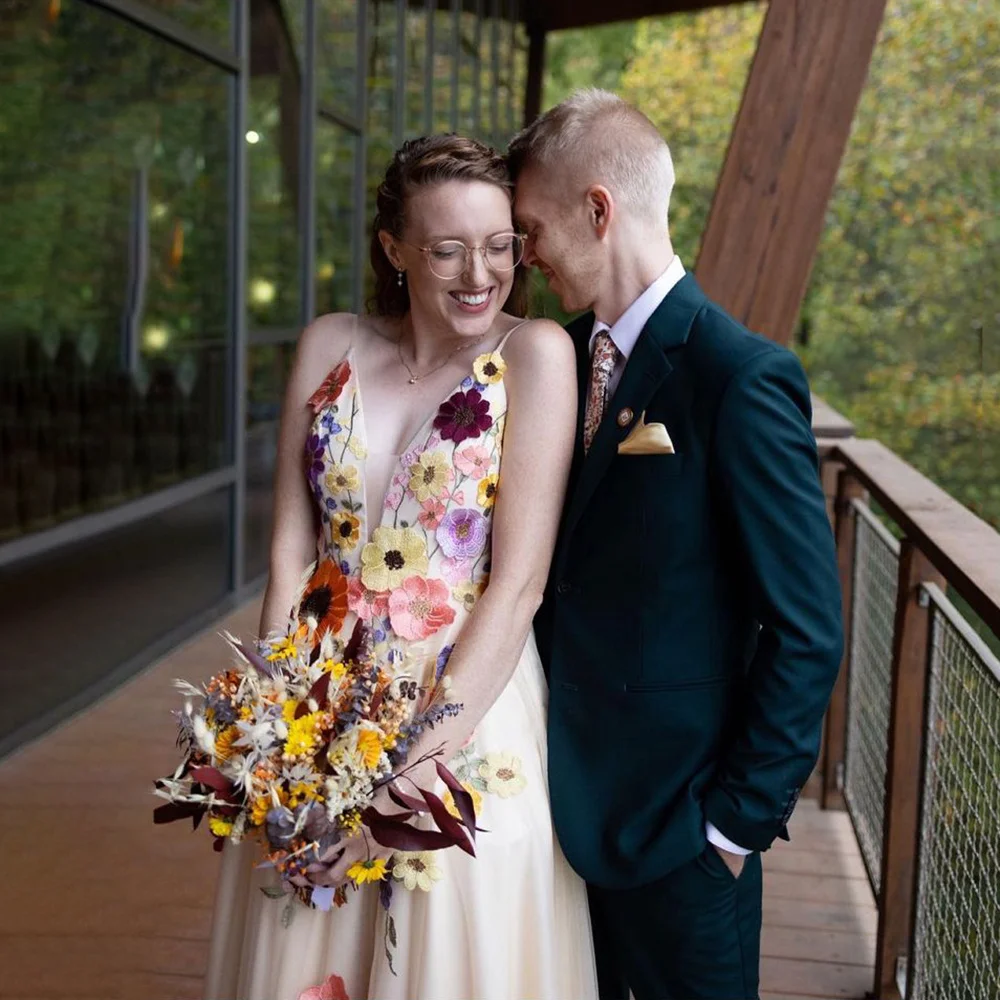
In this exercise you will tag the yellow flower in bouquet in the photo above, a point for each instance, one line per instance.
(302, 735)
(370, 747)
(224, 742)
(220, 827)
(373, 870)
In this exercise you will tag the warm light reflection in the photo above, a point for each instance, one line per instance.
(155, 337)
(262, 291)
(325, 272)
(253, 137)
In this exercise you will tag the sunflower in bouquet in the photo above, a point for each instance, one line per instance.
(291, 744)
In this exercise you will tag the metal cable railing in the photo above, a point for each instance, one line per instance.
(876, 567)
(956, 946)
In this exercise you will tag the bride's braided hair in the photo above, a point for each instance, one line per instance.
(431, 159)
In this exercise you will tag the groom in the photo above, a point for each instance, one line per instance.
(691, 628)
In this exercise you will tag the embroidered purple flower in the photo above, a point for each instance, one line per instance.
(462, 534)
(466, 415)
(442, 661)
(315, 449)
(329, 423)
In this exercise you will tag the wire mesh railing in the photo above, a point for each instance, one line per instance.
(876, 567)
(956, 943)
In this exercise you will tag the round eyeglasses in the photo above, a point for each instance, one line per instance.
(452, 258)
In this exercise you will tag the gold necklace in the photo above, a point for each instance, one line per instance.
(414, 377)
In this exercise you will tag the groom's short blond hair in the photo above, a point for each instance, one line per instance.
(602, 140)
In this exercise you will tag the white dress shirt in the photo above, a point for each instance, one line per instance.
(626, 330)
(625, 334)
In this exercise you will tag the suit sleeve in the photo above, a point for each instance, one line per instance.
(765, 463)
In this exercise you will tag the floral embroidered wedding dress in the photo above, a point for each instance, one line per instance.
(512, 923)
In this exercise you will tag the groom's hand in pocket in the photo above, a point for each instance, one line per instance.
(734, 862)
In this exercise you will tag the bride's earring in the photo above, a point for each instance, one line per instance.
(399, 277)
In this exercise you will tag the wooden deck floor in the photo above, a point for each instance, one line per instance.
(97, 904)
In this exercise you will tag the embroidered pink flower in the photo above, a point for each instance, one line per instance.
(420, 608)
(462, 534)
(332, 988)
(393, 499)
(431, 513)
(473, 460)
(465, 415)
(457, 571)
(366, 604)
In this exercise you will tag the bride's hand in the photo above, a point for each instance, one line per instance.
(357, 851)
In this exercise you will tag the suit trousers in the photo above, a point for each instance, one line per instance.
(692, 935)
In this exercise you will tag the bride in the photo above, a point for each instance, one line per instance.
(426, 447)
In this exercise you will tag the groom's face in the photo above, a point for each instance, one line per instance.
(559, 242)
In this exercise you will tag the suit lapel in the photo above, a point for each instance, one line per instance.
(646, 370)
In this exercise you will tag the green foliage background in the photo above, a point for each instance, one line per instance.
(899, 330)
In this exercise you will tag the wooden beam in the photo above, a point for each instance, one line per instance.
(787, 143)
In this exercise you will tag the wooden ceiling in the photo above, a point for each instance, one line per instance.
(555, 15)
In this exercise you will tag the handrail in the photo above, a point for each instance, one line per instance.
(962, 546)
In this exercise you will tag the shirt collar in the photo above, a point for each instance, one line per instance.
(626, 331)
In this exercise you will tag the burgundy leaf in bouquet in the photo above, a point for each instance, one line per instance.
(447, 823)
(406, 801)
(463, 800)
(215, 780)
(400, 836)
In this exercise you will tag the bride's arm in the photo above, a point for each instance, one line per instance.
(537, 451)
(294, 531)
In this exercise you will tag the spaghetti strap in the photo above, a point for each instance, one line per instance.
(506, 336)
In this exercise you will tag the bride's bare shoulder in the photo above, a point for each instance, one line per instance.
(536, 342)
(327, 337)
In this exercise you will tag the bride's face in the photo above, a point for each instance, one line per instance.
(448, 286)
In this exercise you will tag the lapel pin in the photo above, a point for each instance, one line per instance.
(625, 417)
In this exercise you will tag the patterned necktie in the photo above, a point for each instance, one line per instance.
(602, 364)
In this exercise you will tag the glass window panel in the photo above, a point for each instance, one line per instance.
(211, 18)
(114, 175)
(268, 367)
(488, 98)
(444, 59)
(273, 142)
(114, 594)
(335, 207)
(337, 54)
(468, 93)
(382, 60)
(416, 68)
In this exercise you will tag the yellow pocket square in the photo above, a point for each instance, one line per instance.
(646, 439)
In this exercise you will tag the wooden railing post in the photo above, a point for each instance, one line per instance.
(910, 648)
(835, 735)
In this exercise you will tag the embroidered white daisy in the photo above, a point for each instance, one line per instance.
(502, 774)
(416, 869)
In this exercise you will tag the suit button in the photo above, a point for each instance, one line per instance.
(564, 588)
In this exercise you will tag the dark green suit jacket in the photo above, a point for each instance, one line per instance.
(691, 629)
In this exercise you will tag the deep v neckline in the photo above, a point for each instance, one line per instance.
(421, 428)
(374, 517)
